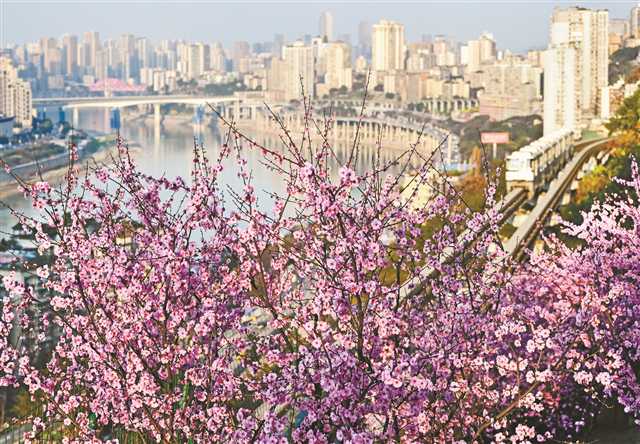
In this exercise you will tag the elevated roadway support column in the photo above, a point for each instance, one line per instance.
(157, 118)
(106, 120)
(76, 118)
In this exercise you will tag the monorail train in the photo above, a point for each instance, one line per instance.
(536, 164)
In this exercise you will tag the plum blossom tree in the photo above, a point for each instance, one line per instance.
(187, 313)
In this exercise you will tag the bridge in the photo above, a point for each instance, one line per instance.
(516, 246)
(440, 105)
(392, 132)
(124, 101)
(526, 233)
(231, 107)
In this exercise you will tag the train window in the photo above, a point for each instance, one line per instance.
(515, 164)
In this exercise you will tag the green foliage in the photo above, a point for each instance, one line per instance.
(598, 184)
(627, 116)
(224, 89)
(36, 152)
(621, 63)
(522, 131)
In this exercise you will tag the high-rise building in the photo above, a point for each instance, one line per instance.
(576, 67)
(194, 62)
(634, 22)
(217, 58)
(326, 26)
(487, 48)
(479, 51)
(239, 51)
(300, 71)
(15, 94)
(619, 26)
(388, 47)
(560, 89)
(90, 48)
(144, 51)
(70, 51)
(102, 64)
(337, 65)
(129, 67)
(472, 55)
(52, 56)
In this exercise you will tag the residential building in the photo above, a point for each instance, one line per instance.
(479, 51)
(70, 55)
(576, 67)
(388, 46)
(15, 94)
(326, 26)
(299, 71)
(634, 22)
(337, 65)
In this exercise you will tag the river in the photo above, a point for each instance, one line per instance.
(170, 153)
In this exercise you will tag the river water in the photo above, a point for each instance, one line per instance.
(170, 153)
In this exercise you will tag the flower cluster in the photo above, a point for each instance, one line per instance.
(181, 317)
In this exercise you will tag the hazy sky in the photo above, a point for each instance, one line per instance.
(517, 25)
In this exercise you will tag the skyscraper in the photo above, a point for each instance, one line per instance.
(634, 22)
(144, 51)
(560, 89)
(129, 61)
(487, 47)
(388, 46)
(194, 62)
(70, 48)
(300, 71)
(217, 58)
(576, 68)
(326, 26)
(52, 56)
(480, 51)
(91, 46)
(239, 51)
(338, 65)
(15, 94)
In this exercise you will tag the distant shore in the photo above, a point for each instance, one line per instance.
(55, 175)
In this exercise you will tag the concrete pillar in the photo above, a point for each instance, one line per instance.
(236, 111)
(157, 117)
(76, 118)
(106, 120)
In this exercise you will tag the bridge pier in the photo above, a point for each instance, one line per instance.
(76, 118)
(157, 117)
(106, 120)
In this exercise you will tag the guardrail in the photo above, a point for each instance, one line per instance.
(527, 232)
(506, 207)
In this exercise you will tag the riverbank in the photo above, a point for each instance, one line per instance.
(56, 174)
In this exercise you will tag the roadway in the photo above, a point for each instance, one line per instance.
(124, 101)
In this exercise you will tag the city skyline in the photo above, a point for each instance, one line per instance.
(217, 21)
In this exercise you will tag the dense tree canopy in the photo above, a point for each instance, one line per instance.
(186, 313)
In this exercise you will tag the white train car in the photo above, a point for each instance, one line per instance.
(535, 165)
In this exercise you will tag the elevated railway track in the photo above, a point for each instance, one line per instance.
(525, 234)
